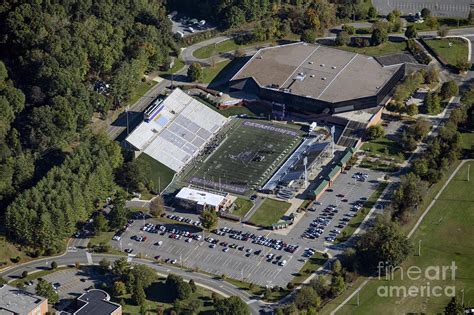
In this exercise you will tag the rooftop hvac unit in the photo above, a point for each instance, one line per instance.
(322, 65)
(323, 78)
(311, 62)
(312, 76)
(333, 67)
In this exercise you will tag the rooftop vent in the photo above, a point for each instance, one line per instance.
(333, 67)
(322, 65)
(311, 62)
(323, 78)
(301, 73)
(312, 76)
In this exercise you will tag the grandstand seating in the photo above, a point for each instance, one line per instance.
(352, 133)
(178, 131)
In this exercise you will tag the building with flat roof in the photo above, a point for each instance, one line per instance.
(16, 301)
(311, 78)
(94, 302)
(200, 199)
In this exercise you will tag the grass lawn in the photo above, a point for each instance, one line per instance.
(224, 46)
(446, 235)
(269, 212)
(383, 146)
(141, 89)
(310, 266)
(178, 65)
(361, 214)
(242, 206)
(9, 252)
(451, 55)
(157, 173)
(468, 141)
(156, 295)
(209, 73)
(39, 274)
(383, 49)
(257, 290)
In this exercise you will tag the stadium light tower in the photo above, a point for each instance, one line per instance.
(305, 163)
(333, 130)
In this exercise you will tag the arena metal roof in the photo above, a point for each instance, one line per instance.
(316, 71)
(200, 197)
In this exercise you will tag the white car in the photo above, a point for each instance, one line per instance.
(188, 240)
(282, 263)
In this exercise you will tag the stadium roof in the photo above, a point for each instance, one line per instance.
(179, 129)
(200, 197)
(315, 71)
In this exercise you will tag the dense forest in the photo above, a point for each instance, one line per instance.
(54, 56)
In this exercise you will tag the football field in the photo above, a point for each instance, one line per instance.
(247, 156)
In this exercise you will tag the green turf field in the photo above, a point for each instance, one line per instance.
(269, 212)
(246, 157)
(446, 235)
(160, 175)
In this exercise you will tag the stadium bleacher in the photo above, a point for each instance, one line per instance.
(177, 130)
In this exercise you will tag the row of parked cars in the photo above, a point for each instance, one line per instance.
(183, 219)
(256, 239)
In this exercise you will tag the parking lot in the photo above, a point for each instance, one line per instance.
(243, 252)
(183, 25)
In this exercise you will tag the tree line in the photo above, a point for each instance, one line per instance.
(43, 216)
(71, 59)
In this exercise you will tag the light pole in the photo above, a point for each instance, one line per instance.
(419, 247)
(468, 171)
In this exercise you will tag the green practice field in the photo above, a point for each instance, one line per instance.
(458, 51)
(446, 235)
(246, 157)
(269, 212)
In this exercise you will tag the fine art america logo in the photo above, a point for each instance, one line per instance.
(428, 277)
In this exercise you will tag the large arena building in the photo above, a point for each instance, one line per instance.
(317, 79)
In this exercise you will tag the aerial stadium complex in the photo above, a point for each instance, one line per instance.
(207, 150)
(239, 155)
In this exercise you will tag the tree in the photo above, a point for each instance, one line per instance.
(349, 29)
(412, 110)
(209, 219)
(308, 36)
(100, 224)
(379, 36)
(192, 285)
(231, 306)
(432, 75)
(157, 206)
(336, 267)
(384, 242)
(470, 17)
(24, 274)
(338, 285)
(306, 298)
(463, 65)
(425, 13)
(372, 13)
(443, 31)
(431, 22)
(375, 132)
(342, 38)
(177, 288)
(138, 293)
(409, 193)
(195, 72)
(118, 214)
(54, 265)
(119, 288)
(454, 307)
(420, 129)
(449, 89)
(121, 267)
(411, 32)
(432, 103)
(45, 289)
(104, 264)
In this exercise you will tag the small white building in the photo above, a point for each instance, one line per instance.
(200, 199)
